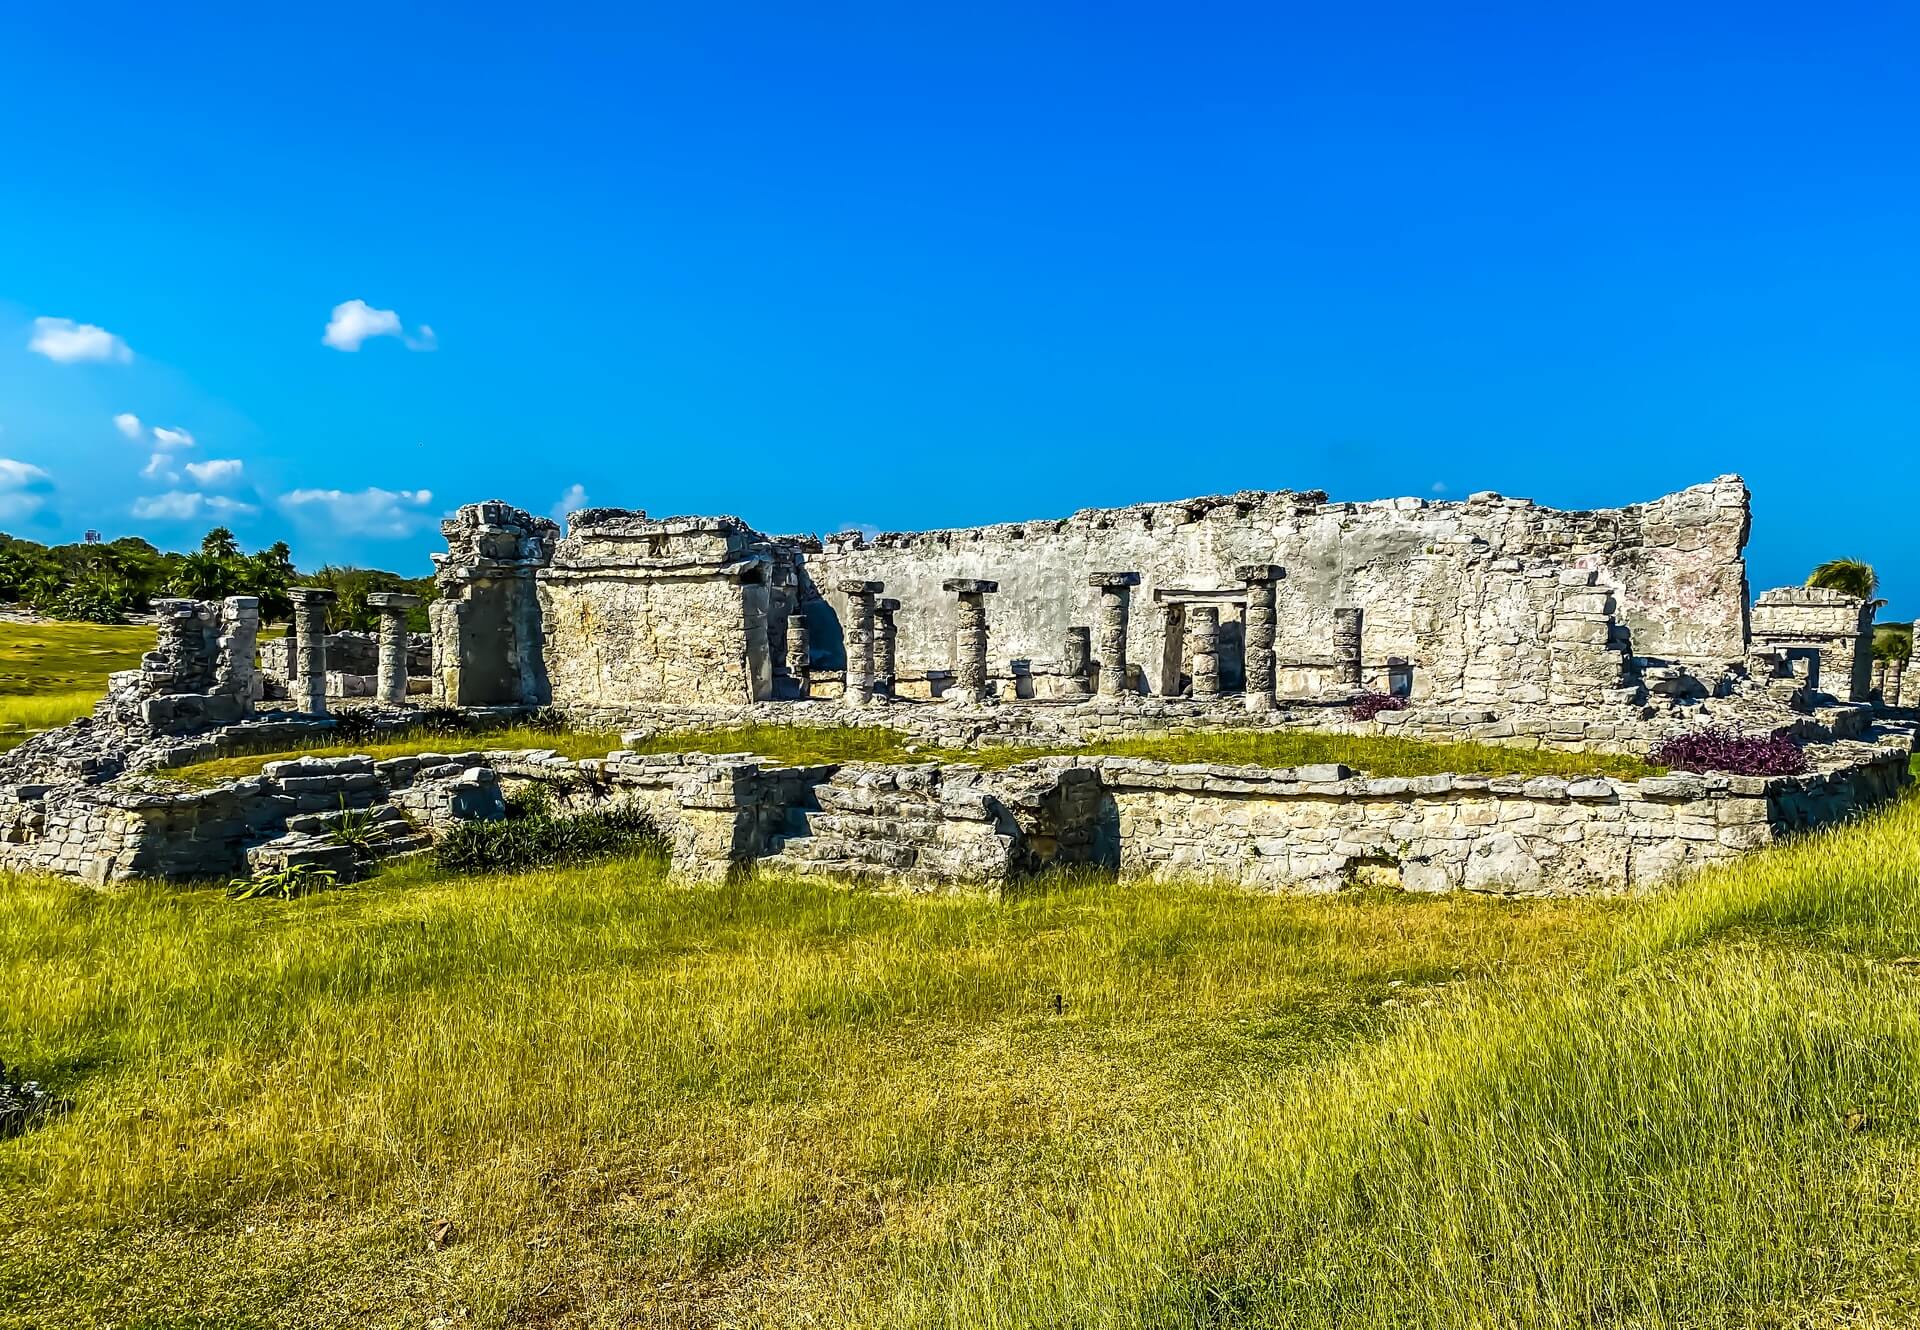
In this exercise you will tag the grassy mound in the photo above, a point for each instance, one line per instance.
(592, 1098)
(805, 745)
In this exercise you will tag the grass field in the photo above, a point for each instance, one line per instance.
(632, 1102)
(52, 673)
(597, 1097)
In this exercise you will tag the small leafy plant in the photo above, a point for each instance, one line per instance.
(1719, 748)
(357, 829)
(533, 835)
(1368, 705)
(282, 883)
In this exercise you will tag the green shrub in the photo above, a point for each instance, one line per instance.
(533, 835)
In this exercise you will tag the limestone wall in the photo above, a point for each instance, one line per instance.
(1467, 593)
(1829, 628)
(1318, 829)
(1312, 828)
(635, 610)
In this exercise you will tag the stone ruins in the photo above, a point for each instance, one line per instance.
(1492, 619)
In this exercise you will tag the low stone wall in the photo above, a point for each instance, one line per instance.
(1310, 828)
(1321, 828)
(116, 832)
(717, 813)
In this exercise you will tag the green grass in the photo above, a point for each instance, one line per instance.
(1376, 755)
(51, 674)
(807, 744)
(37, 659)
(571, 743)
(21, 717)
(777, 1102)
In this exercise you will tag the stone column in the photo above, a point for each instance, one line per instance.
(1346, 650)
(1076, 660)
(886, 640)
(1259, 578)
(970, 643)
(1896, 676)
(1116, 591)
(239, 641)
(1203, 651)
(310, 647)
(799, 652)
(859, 637)
(392, 607)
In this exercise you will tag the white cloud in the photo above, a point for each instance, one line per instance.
(171, 438)
(186, 506)
(572, 501)
(23, 489)
(160, 467)
(216, 472)
(128, 424)
(368, 512)
(1439, 487)
(355, 321)
(66, 341)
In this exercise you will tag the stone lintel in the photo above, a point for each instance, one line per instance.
(392, 600)
(969, 586)
(312, 595)
(887, 606)
(1182, 595)
(1259, 572)
(854, 586)
(1110, 581)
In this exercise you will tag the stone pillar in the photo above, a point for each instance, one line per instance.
(1259, 578)
(799, 652)
(1076, 661)
(392, 607)
(886, 640)
(970, 643)
(1203, 651)
(239, 641)
(1346, 650)
(1116, 591)
(859, 637)
(1896, 676)
(310, 647)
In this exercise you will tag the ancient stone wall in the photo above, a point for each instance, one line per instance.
(200, 672)
(1830, 628)
(1459, 599)
(635, 610)
(1318, 829)
(487, 639)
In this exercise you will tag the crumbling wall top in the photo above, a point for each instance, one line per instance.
(486, 538)
(616, 539)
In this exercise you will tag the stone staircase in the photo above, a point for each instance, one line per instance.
(921, 825)
(384, 833)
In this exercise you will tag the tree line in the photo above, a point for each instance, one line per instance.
(106, 581)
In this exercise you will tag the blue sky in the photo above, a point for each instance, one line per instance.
(902, 267)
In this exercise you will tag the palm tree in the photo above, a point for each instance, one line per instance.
(205, 577)
(1854, 577)
(220, 543)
